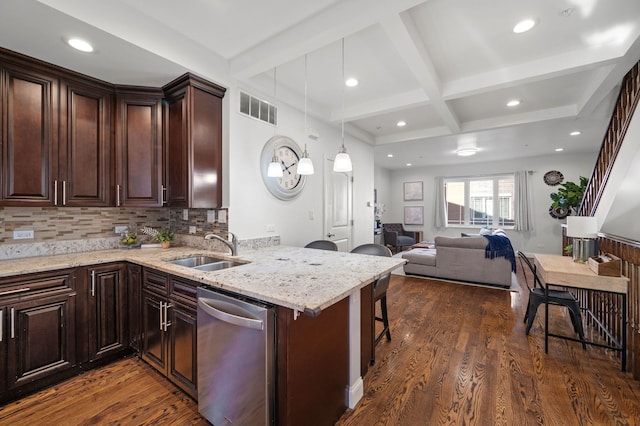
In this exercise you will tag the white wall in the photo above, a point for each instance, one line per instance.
(252, 208)
(546, 236)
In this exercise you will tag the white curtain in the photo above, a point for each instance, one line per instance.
(440, 204)
(523, 217)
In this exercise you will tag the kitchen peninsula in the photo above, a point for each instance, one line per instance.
(318, 299)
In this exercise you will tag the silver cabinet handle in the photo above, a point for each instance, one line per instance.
(64, 192)
(55, 192)
(13, 323)
(167, 323)
(93, 283)
(1, 323)
(117, 195)
(161, 316)
(19, 290)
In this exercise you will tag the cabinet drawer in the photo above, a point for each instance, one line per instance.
(23, 285)
(155, 281)
(183, 290)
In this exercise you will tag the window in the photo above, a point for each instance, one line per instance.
(480, 202)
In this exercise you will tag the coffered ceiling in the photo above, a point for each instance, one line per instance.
(445, 67)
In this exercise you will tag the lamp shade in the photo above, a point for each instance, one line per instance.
(342, 162)
(582, 227)
(275, 169)
(305, 166)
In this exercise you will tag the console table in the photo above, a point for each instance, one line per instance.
(562, 271)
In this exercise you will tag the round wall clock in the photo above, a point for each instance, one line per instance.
(288, 154)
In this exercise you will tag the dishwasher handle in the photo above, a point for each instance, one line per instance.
(215, 309)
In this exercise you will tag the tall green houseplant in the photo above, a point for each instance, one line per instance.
(569, 195)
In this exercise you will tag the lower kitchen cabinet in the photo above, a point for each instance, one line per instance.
(37, 331)
(169, 328)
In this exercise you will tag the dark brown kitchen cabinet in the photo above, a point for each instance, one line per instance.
(85, 177)
(37, 330)
(138, 147)
(134, 304)
(29, 136)
(169, 328)
(193, 142)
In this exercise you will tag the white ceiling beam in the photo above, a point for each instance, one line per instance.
(413, 135)
(403, 34)
(566, 111)
(321, 29)
(382, 105)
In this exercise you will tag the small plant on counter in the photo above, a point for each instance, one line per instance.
(164, 236)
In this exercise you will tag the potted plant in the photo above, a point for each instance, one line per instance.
(164, 236)
(568, 198)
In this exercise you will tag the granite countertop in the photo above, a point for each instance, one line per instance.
(307, 280)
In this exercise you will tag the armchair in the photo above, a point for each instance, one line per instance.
(396, 236)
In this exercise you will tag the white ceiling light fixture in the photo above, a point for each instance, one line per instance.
(305, 166)
(390, 155)
(401, 123)
(275, 168)
(524, 26)
(575, 133)
(342, 163)
(80, 45)
(559, 149)
(409, 164)
(467, 147)
(351, 82)
(513, 103)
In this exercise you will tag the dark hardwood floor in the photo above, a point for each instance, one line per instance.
(459, 356)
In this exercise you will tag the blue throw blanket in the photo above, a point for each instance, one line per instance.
(500, 246)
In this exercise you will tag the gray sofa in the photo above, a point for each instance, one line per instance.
(459, 259)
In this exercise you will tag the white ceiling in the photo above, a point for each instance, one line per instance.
(446, 67)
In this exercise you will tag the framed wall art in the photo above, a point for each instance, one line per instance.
(414, 215)
(413, 191)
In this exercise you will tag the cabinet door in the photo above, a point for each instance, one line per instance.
(182, 332)
(139, 150)
(3, 348)
(134, 294)
(107, 310)
(29, 137)
(85, 146)
(40, 337)
(153, 340)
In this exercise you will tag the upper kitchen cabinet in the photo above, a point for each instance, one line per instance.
(85, 144)
(193, 142)
(29, 129)
(138, 142)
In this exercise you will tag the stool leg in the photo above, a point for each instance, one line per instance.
(385, 317)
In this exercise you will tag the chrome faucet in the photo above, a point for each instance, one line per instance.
(233, 244)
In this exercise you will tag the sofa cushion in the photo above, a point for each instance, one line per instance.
(461, 242)
(421, 256)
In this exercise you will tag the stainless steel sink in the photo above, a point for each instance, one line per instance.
(194, 261)
(215, 266)
(204, 263)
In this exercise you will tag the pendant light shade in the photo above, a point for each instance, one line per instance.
(275, 169)
(305, 166)
(342, 163)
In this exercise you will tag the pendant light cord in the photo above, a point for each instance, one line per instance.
(342, 85)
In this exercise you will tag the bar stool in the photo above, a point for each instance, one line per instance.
(322, 245)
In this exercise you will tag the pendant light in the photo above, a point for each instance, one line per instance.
(342, 162)
(275, 168)
(305, 166)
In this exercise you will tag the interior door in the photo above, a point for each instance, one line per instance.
(338, 215)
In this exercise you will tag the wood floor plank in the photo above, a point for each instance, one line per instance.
(459, 355)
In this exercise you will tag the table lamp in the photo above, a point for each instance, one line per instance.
(584, 231)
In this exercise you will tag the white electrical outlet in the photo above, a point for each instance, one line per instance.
(222, 216)
(22, 235)
(119, 229)
(271, 228)
(192, 229)
(185, 214)
(211, 215)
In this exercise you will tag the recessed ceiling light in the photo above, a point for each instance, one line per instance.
(559, 149)
(513, 103)
(401, 123)
(81, 45)
(524, 25)
(390, 155)
(575, 133)
(351, 82)
(409, 164)
(466, 152)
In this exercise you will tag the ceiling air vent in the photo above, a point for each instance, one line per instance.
(257, 108)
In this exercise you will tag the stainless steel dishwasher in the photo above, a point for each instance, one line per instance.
(236, 367)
